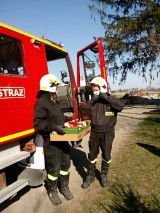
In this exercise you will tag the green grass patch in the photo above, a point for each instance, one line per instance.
(134, 175)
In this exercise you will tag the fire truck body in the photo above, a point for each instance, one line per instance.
(24, 59)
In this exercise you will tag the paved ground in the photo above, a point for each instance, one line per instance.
(35, 200)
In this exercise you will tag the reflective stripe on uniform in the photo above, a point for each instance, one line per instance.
(50, 177)
(64, 172)
(109, 113)
(108, 162)
(93, 161)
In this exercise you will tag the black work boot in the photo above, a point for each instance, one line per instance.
(51, 187)
(90, 176)
(63, 186)
(104, 171)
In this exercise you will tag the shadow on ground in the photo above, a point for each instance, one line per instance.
(150, 148)
(79, 159)
(14, 198)
(126, 200)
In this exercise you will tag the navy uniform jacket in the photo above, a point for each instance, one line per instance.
(47, 114)
(103, 112)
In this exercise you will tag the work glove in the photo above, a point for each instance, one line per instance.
(59, 130)
(94, 99)
(104, 96)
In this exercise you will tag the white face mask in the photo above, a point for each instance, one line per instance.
(97, 92)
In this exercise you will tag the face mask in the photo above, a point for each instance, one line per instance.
(96, 92)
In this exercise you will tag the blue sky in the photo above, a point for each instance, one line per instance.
(63, 21)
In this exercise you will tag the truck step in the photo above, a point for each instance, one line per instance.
(13, 158)
(12, 189)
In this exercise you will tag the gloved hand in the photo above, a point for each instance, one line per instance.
(94, 99)
(104, 96)
(59, 130)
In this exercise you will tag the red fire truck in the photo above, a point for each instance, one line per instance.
(24, 59)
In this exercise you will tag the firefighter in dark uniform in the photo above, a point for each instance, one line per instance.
(48, 117)
(103, 110)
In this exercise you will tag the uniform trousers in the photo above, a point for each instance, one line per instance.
(57, 157)
(103, 141)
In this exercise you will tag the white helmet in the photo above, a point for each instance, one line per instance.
(49, 83)
(99, 81)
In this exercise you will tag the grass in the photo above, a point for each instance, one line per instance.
(134, 175)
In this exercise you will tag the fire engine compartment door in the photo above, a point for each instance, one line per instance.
(90, 63)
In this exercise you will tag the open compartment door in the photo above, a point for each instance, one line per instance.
(90, 63)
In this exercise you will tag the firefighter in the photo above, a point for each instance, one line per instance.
(103, 109)
(48, 118)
